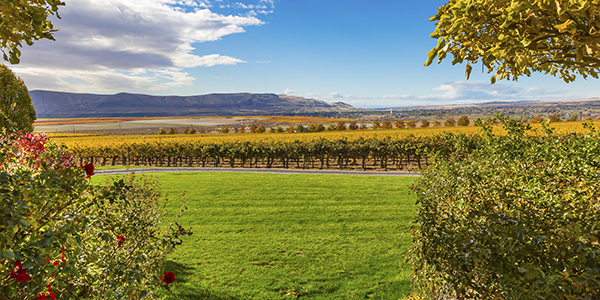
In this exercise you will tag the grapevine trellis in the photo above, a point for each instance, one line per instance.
(400, 153)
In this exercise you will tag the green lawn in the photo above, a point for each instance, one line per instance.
(272, 236)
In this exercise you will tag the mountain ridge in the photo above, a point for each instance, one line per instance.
(51, 104)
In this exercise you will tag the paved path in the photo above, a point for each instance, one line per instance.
(254, 170)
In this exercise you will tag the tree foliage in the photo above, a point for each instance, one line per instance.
(518, 37)
(463, 121)
(16, 108)
(25, 21)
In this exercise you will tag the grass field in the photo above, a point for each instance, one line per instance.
(270, 236)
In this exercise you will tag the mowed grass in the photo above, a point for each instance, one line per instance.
(273, 236)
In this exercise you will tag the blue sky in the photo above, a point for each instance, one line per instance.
(364, 53)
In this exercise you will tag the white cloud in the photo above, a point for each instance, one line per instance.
(141, 42)
(458, 92)
(289, 91)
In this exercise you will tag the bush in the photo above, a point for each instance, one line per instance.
(463, 121)
(261, 129)
(341, 126)
(450, 122)
(400, 124)
(411, 124)
(189, 130)
(517, 217)
(353, 126)
(172, 130)
(224, 129)
(61, 237)
(376, 125)
(162, 131)
(16, 108)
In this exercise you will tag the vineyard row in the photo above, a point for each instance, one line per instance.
(404, 153)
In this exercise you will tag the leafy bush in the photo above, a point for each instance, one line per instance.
(61, 237)
(16, 108)
(463, 121)
(517, 217)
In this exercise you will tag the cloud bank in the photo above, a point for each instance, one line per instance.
(457, 92)
(112, 45)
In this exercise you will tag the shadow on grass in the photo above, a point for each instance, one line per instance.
(186, 289)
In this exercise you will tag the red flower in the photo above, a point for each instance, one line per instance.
(120, 240)
(169, 278)
(89, 170)
(20, 273)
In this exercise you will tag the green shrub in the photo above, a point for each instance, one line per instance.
(517, 217)
(16, 108)
(62, 237)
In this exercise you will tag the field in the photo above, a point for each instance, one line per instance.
(266, 236)
(71, 140)
(151, 125)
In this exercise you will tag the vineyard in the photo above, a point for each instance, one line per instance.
(386, 150)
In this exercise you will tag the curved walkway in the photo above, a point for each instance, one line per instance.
(255, 170)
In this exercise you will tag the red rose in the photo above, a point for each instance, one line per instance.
(89, 170)
(120, 240)
(169, 278)
(20, 273)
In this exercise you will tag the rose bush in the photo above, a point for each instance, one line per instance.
(62, 238)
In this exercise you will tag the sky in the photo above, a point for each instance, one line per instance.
(368, 54)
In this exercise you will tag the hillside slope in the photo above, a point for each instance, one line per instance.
(50, 104)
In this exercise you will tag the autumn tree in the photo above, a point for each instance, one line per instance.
(299, 128)
(518, 37)
(353, 126)
(341, 125)
(253, 128)
(311, 128)
(386, 125)
(16, 108)
(400, 124)
(555, 118)
(25, 21)
(224, 129)
(537, 119)
(376, 125)
(573, 117)
(463, 121)
(411, 124)
(450, 122)
(261, 129)
(320, 128)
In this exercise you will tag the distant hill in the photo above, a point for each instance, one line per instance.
(50, 104)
